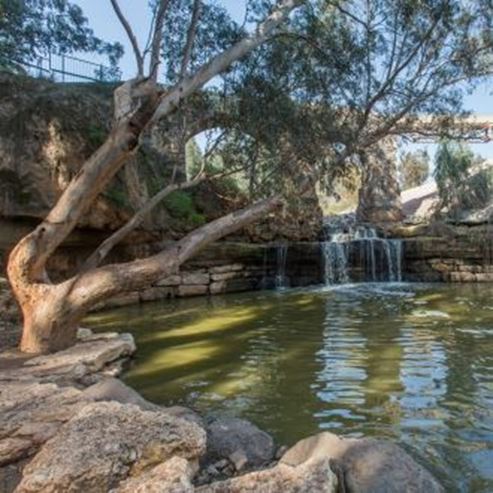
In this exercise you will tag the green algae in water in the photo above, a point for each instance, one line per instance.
(408, 362)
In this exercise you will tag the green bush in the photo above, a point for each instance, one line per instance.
(181, 206)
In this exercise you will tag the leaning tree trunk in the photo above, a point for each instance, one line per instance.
(52, 312)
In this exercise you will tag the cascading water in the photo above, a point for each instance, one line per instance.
(379, 258)
(281, 258)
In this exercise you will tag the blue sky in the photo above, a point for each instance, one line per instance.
(102, 19)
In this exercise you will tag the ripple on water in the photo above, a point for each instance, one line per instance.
(413, 363)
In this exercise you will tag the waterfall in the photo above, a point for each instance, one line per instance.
(335, 262)
(380, 259)
(281, 257)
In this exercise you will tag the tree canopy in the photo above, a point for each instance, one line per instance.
(414, 168)
(33, 28)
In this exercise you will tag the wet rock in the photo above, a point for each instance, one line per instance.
(228, 436)
(313, 476)
(367, 465)
(173, 476)
(239, 460)
(104, 444)
(112, 389)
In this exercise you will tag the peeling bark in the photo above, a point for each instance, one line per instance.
(52, 311)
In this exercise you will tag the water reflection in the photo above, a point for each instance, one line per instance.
(409, 362)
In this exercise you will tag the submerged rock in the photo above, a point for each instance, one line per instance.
(104, 444)
(239, 441)
(365, 465)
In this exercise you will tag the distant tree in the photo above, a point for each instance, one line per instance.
(33, 28)
(461, 181)
(414, 168)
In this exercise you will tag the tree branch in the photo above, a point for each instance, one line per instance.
(131, 36)
(192, 31)
(157, 38)
(98, 284)
(223, 60)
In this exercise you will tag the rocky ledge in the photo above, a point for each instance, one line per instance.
(68, 425)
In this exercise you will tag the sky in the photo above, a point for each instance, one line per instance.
(105, 24)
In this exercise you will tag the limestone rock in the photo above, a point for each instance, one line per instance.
(227, 436)
(104, 444)
(112, 389)
(367, 465)
(173, 476)
(313, 476)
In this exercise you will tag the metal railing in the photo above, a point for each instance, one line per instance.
(66, 68)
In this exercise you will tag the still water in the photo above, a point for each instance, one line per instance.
(409, 362)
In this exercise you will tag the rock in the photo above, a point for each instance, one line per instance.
(220, 269)
(88, 356)
(313, 476)
(30, 414)
(112, 389)
(228, 436)
(195, 278)
(185, 413)
(173, 476)
(367, 465)
(170, 281)
(192, 290)
(104, 444)
(239, 460)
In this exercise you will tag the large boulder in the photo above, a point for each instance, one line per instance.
(104, 444)
(238, 440)
(313, 476)
(365, 465)
(173, 476)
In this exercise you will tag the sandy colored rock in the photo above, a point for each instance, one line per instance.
(104, 444)
(313, 476)
(173, 476)
(367, 465)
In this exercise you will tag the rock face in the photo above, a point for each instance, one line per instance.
(365, 465)
(239, 441)
(450, 254)
(104, 443)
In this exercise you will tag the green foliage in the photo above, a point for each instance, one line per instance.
(118, 196)
(414, 168)
(461, 181)
(181, 206)
(31, 28)
(96, 135)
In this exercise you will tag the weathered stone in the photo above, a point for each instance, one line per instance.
(104, 444)
(112, 389)
(227, 436)
(367, 465)
(195, 278)
(170, 281)
(192, 290)
(239, 459)
(232, 285)
(313, 476)
(225, 276)
(173, 476)
(220, 269)
(156, 293)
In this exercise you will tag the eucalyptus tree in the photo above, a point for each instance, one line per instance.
(299, 100)
(51, 312)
